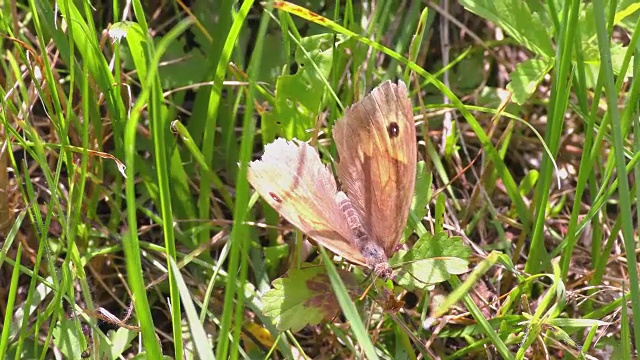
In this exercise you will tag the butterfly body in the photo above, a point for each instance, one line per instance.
(377, 148)
(371, 251)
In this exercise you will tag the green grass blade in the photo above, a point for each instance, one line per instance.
(234, 299)
(620, 162)
(348, 307)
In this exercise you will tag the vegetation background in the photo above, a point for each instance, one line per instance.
(127, 129)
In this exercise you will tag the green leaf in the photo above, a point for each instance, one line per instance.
(493, 98)
(66, 338)
(527, 27)
(432, 259)
(577, 323)
(182, 66)
(301, 96)
(421, 195)
(468, 73)
(271, 65)
(304, 297)
(119, 30)
(185, 61)
(120, 341)
(528, 182)
(273, 255)
(132, 50)
(298, 100)
(526, 78)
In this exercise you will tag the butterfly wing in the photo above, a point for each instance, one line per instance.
(376, 141)
(291, 178)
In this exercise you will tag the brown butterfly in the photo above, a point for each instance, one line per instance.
(376, 144)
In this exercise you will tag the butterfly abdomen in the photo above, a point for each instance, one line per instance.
(372, 252)
(353, 220)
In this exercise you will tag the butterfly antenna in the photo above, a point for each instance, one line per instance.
(373, 281)
(366, 292)
(366, 278)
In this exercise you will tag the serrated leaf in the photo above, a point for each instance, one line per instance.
(303, 297)
(526, 78)
(432, 259)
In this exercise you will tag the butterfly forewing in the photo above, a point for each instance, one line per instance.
(376, 143)
(291, 178)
